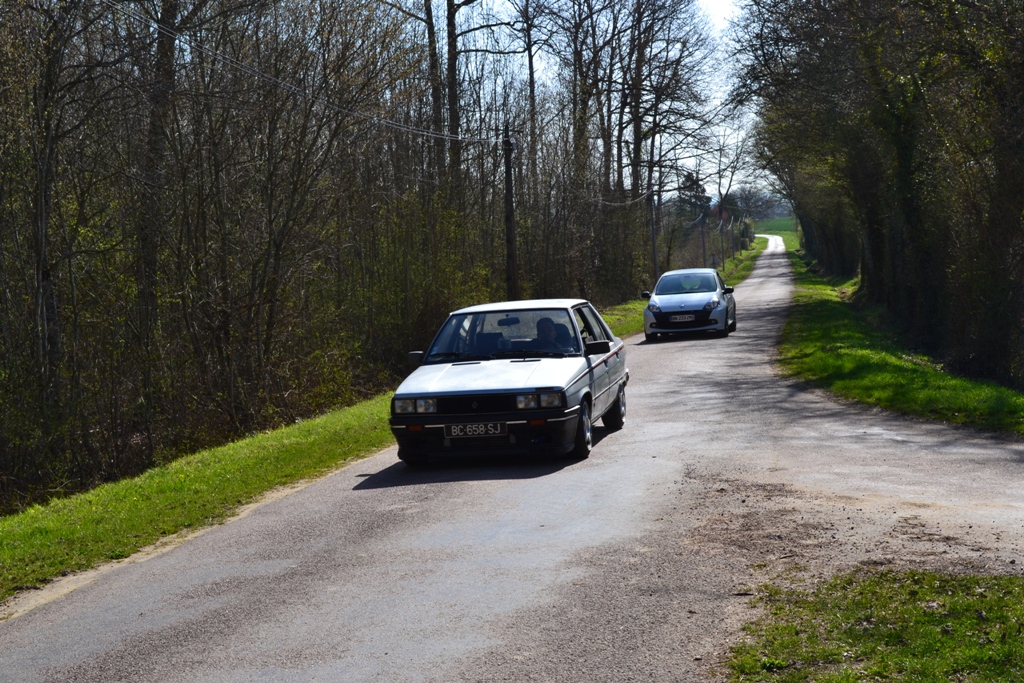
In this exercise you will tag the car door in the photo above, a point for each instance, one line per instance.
(616, 363)
(592, 329)
(730, 307)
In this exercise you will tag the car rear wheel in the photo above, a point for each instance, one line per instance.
(584, 433)
(616, 415)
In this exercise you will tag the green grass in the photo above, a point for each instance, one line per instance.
(625, 319)
(739, 268)
(787, 228)
(888, 626)
(115, 520)
(832, 344)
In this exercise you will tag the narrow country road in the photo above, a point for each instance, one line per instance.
(635, 565)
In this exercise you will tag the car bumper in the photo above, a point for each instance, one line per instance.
(540, 432)
(716, 321)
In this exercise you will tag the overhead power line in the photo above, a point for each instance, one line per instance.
(290, 88)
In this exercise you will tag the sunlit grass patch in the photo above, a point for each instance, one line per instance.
(739, 268)
(887, 627)
(831, 344)
(787, 228)
(115, 520)
(625, 319)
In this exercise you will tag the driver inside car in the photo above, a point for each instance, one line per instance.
(546, 335)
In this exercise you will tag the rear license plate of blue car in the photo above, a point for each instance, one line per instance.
(475, 429)
(681, 318)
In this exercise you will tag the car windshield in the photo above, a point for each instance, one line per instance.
(533, 333)
(686, 283)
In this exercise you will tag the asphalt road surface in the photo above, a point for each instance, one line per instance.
(634, 565)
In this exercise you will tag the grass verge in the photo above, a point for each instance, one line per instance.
(884, 626)
(832, 344)
(738, 268)
(908, 626)
(115, 520)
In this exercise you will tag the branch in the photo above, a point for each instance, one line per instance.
(402, 10)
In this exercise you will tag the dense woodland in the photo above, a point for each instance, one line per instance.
(897, 131)
(219, 216)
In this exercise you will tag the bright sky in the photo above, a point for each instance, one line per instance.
(719, 11)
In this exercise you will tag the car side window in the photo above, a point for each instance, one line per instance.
(601, 324)
(582, 325)
(591, 326)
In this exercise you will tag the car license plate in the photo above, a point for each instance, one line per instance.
(685, 318)
(476, 429)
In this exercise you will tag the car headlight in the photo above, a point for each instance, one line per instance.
(408, 406)
(653, 307)
(542, 400)
(526, 401)
(713, 304)
(550, 400)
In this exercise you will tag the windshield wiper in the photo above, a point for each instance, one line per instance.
(457, 356)
(529, 353)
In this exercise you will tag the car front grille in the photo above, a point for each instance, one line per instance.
(700, 319)
(480, 404)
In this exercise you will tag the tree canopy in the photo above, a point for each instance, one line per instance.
(897, 132)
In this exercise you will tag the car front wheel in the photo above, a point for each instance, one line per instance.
(584, 433)
(616, 415)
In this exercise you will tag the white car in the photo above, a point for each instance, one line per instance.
(516, 377)
(689, 300)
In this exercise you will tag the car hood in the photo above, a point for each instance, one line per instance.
(682, 302)
(492, 376)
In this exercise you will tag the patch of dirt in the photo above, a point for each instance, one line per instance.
(782, 529)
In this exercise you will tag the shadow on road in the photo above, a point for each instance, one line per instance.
(472, 467)
(680, 337)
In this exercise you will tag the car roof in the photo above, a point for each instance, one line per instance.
(526, 304)
(688, 270)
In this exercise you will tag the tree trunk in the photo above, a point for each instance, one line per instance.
(151, 214)
(454, 112)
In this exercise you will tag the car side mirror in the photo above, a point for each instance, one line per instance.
(415, 358)
(728, 290)
(645, 294)
(597, 347)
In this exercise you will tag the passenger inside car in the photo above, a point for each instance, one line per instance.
(564, 337)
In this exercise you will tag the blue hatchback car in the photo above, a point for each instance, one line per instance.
(687, 301)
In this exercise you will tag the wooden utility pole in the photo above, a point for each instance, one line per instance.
(511, 264)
